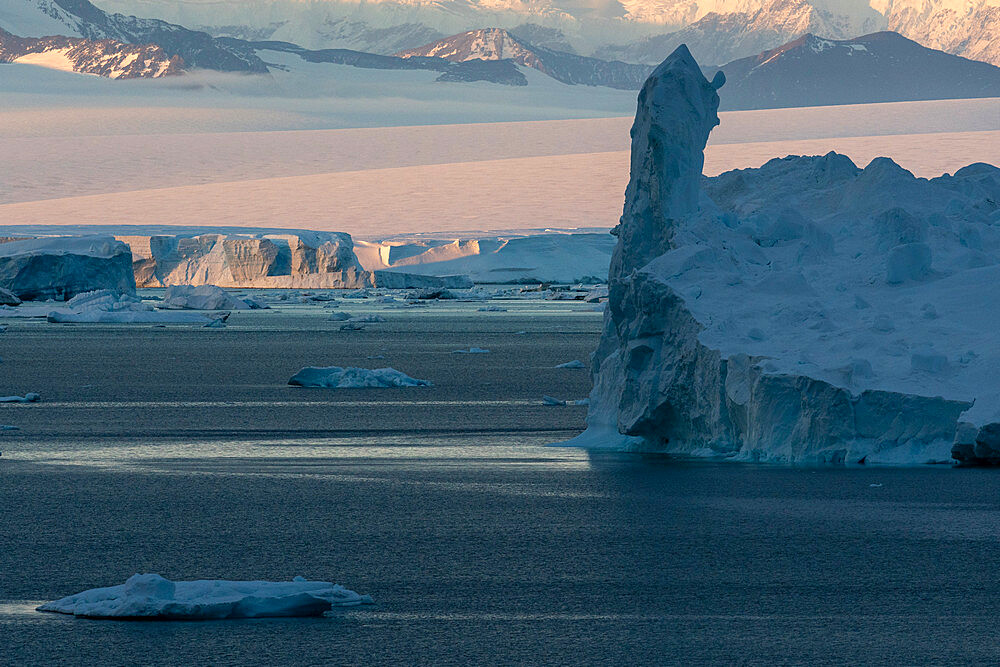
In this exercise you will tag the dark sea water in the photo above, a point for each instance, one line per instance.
(479, 544)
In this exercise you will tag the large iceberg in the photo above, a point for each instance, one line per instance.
(62, 267)
(808, 310)
(150, 596)
(313, 260)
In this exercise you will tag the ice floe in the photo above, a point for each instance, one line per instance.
(150, 596)
(336, 377)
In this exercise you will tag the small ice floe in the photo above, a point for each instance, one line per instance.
(30, 397)
(3, 328)
(520, 333)
(338, 316)
(471, 350)
(368, 319)
(351, 326)
(335, 377)
(375, 356)
(875, 486)
(5, 427)
(149, 596)
(576, 363)
(548, 400)
(492, 309)
(218, 322)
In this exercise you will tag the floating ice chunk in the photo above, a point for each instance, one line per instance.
(576, 363)
(471, 350)
(336, 377)
(549, 400)
(127, 317)
(366, 319)
(351, 326)
(202, 297)
(492, 309)
(30, 397)
(430, 294)
(8, 298)
(339, 316)
(217, 323)
(145, 596)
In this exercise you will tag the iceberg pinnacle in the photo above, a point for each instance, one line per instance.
(808, 310)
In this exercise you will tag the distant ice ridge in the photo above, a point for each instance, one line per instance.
(808, 310)
(335, 377)
(150, 596)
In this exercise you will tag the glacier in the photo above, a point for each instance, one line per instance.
(61, 267)
(805, 311)
(150, 596)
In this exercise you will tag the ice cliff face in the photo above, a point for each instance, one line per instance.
(808, 310)
(302, 260)
(61, 267)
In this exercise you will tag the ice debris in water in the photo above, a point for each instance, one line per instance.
(471, 350)
(150, 596)
(30, 397)
(368, 319)
(336, 377)
(549, 400)
(492, 309)
(576, 363)
(339, 316)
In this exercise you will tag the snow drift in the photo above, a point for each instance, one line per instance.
(808, 310)
(62, 267)
(150, 596)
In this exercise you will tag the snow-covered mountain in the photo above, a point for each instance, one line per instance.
(80, 18)
(106, 57)
(882, 67)
(717, 30)
(495, 44)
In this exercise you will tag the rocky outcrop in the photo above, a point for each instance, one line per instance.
(808, 310)
(106, 57)
(61, 267)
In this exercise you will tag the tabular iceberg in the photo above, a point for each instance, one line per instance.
(62, 267)
(808, 310)
(150, 596)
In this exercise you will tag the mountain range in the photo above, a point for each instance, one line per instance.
(645, 31)
(806, 71)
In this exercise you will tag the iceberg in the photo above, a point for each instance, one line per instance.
(335, 377)
(150, 596)
(290, 260)
(805, 311)
(30, 397)
(61, 267)
(201, 297)
(109, 307)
